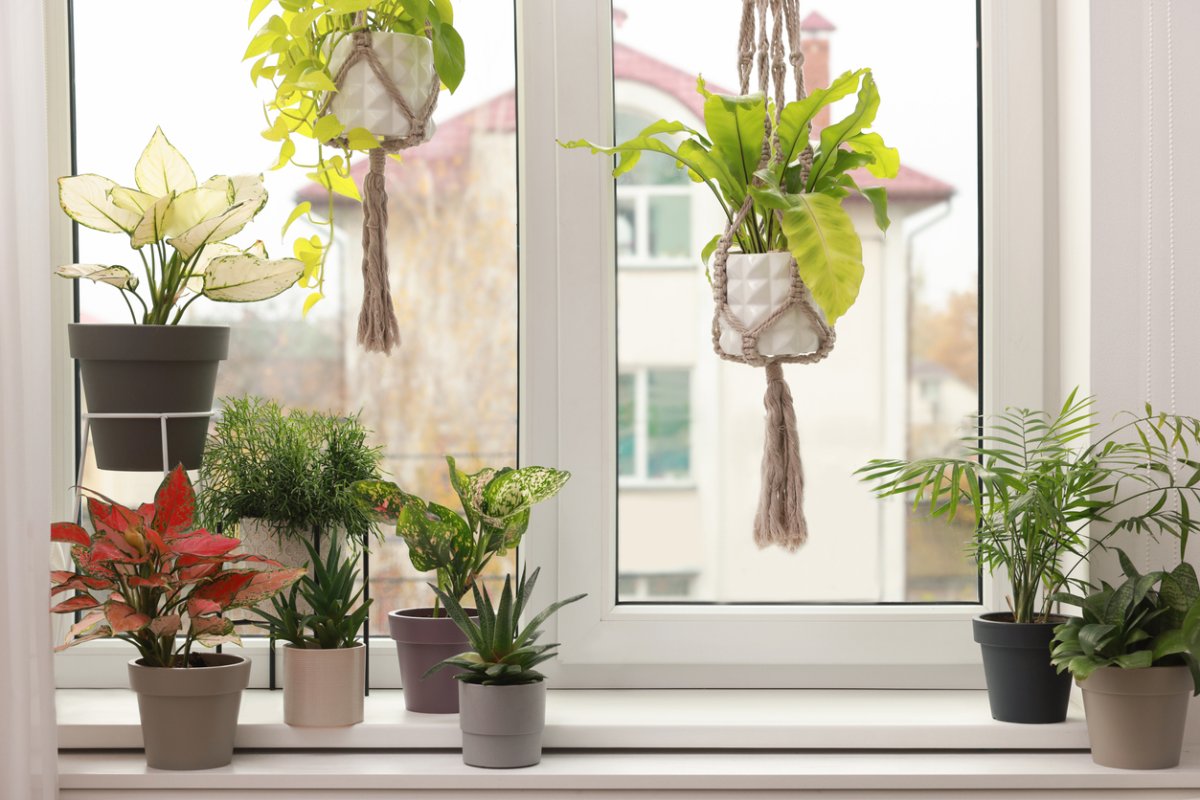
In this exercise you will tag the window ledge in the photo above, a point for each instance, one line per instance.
(626, 719)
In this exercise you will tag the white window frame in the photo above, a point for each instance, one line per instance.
(641, 479)
(640, 195)
(568, 374)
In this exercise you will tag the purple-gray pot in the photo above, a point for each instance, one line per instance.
(423, 640)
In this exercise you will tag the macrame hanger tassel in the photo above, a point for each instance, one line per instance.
(780, 517)
(378, 330)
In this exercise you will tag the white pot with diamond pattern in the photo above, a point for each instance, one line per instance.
(756, 284)
(363, 102)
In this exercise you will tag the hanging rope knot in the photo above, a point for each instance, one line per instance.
(361, 40)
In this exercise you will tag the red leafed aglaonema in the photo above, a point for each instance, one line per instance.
(148, 577)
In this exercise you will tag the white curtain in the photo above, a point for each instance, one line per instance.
(28, 749)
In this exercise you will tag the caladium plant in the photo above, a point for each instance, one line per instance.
(496, 506)
(147, 576)
(178, 228)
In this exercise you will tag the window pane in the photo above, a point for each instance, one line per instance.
(904, 374)
(626, 387)
(451, 387)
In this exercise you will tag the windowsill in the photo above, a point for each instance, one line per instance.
(681, 719)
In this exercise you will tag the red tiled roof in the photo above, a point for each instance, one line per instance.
(815, 23)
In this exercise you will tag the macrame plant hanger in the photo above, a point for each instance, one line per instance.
(378, 330)
(780, 517)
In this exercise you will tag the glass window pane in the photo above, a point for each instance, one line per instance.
(668, 424)
(626, 421)
(670, 226)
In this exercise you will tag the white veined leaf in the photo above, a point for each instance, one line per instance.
(114, 275)
(221, 183)
(215, 250)
(152, 226)
(216, 229)
(193, 207)
(87, 199)
(257, 249)
(132, 199)
(162, 169)
(245, 278)
(248, 189)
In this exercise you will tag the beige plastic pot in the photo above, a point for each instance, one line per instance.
(502, 725)
(323, 688)
(189, 716)
(1136, 717)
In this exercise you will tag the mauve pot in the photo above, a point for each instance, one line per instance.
(148, 369)
(1022, 684)
(1136, 717)
(502, 725)
(323, 688)
(423, 640)
(189, 716)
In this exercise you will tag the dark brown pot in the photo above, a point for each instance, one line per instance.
(1022, 684)
(1136, 717)
(423, 640)
(148, 369)
(189, 716)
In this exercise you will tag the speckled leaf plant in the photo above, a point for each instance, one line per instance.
(178, 228)
(148, 577)
(496, 507)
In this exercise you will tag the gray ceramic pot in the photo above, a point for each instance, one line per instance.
(1136, 717)
(1022, 684)
(189, 716)
(323, 688)
(423, 640)
(148, 369)
(502, 725)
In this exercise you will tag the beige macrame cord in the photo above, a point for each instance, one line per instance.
(780, 516)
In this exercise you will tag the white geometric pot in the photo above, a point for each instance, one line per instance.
(756, 284)
(323, 688)
(363, 102)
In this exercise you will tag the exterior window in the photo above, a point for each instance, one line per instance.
(654, 425)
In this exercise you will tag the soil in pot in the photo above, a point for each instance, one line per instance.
(323, 688)
(148, 369)
(189, 716)
(1022, 684)
(423, 640)
(1136, 717)
(502, 725)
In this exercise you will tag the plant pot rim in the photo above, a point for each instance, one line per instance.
(538, 682)
(426, 612)
(1143, 681)
(998, 618)
(323, 650)
(148, 325)
(233, 663)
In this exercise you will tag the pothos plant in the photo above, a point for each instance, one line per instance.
(178, 228)
(291, 53)
(148, 577)
(496, 507)
(788, 212)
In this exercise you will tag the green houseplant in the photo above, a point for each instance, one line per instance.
(178, 227)
(1034, 482)
(147, 576)
(496, 507)
(298, 52)
(1134, 653)
(324, 663)
(788, 214)
(502, 696)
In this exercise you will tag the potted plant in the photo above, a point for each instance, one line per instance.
(273, 478)
(148, 577)
(496, 506)
(1033, 486)
(300, 52)
(502, 696)
(1133, 652)
(178, 227)
(324, 663)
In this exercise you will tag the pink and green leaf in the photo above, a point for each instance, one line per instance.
(168, 625)
(204, 544)
(79, 602)
(174, 503)
(125, 618)
(69, 532)
(265, 585)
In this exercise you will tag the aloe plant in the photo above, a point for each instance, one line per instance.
(178, 228)
(146, 576)
(337, 609)
(503, 653)
(788, 213)
(496, 507)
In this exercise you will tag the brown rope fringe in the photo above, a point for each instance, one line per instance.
(780, 516)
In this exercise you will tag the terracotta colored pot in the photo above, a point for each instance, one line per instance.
(1022, 684)
(323, 688)
(189, 716)
(502, 725)
(1136, 717)
(423, 640)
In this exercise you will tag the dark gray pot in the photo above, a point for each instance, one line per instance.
(502, 725)
(189, 716)
(1022, 684)
(423, 640)
(148, 369)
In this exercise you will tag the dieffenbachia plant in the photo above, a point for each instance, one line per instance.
(496, 507)
(148, 577)
(178, 228)
(803, 217)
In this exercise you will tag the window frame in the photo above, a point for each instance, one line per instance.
(568, 374)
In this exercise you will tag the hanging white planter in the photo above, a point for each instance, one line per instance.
(756, 286)
(363, 101)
